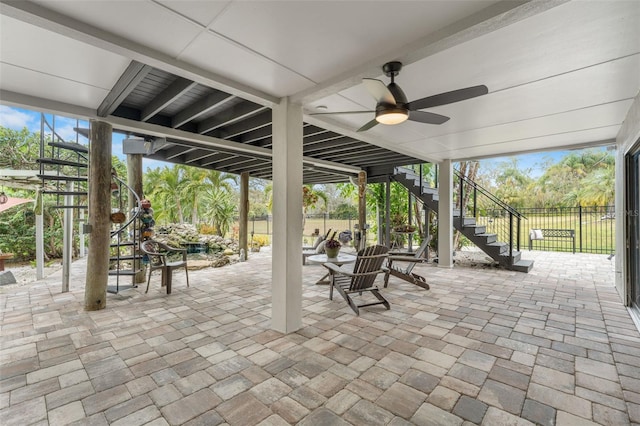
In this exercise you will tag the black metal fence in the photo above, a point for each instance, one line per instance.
(593, 227)
(590, 228)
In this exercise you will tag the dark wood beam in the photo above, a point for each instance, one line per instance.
(175, 90)
(130, 78)
(198, 155)
(228, 116)
(258, 121)
(199, 108)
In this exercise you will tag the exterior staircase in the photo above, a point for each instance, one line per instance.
(63, 173)
(507, 254)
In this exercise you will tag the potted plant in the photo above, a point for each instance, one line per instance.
(332, 247)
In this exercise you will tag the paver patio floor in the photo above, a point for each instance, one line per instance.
(483, 346)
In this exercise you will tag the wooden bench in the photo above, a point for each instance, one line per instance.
(3, 257)
(553, 234)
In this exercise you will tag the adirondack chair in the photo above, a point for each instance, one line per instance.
(359, 277)
(158, 254)
(401, 265)
(311, 250)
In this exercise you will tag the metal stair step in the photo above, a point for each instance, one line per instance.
(497, 247)
(58, 162)
(125, 257)
(123, 244)
(477, 229)
(522, 266)
(128, 272)
(70, 207)
(489, 238)
(116, 289)
(64, 178)
(79, 193)
(70, 146)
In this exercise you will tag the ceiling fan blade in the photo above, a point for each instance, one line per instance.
(379, 91)
(367, 126)
(427, 117)
(341, 112)
(448, 97)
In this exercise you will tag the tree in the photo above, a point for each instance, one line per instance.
(19, 149)
(221, 208)
(163, 187)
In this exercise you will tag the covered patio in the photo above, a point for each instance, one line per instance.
(484, 346)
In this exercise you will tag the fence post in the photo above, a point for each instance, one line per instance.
(511, 237)
(518, 233)
(475, 201)
(324, 222)
(580, 224)
(461, 197)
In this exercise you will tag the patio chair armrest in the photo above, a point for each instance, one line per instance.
(342, 270)
(335, 269)
(406, 259)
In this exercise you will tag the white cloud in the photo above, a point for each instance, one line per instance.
(16, 119)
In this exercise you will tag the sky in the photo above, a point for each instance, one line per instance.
(17, 119)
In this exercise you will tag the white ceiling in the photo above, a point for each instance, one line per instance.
(559, 74)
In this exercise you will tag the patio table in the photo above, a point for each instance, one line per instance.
(323, 258)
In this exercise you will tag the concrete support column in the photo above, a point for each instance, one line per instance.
(445, 215)
(244, 214)
(95, 293)
(286, 315)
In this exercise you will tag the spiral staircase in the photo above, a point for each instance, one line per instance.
(63, 170)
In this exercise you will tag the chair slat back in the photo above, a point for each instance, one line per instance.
(419, 253)
(153, 250)
(370, 259)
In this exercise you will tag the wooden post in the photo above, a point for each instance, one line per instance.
(362, 208)
(134, 180)
(95, 293)
(134, 177)
(244, 214)
(387, 212)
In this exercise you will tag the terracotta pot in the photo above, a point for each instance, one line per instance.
(332, 253)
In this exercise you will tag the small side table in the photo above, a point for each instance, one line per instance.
(321, 259)
(3, 257)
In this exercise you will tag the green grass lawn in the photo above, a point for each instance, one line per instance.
(593, 234)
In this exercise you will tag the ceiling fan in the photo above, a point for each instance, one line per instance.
(392, 106)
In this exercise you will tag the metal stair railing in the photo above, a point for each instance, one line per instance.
(129, 228)
(511, 229)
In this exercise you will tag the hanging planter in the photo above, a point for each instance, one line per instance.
(118, 217)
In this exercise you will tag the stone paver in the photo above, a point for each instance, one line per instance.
(483, 346)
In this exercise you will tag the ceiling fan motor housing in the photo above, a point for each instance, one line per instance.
(387, 113)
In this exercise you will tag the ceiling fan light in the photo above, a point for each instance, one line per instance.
(392, 116)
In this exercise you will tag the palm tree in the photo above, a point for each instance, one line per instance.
(220, 208)
(164, 190)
